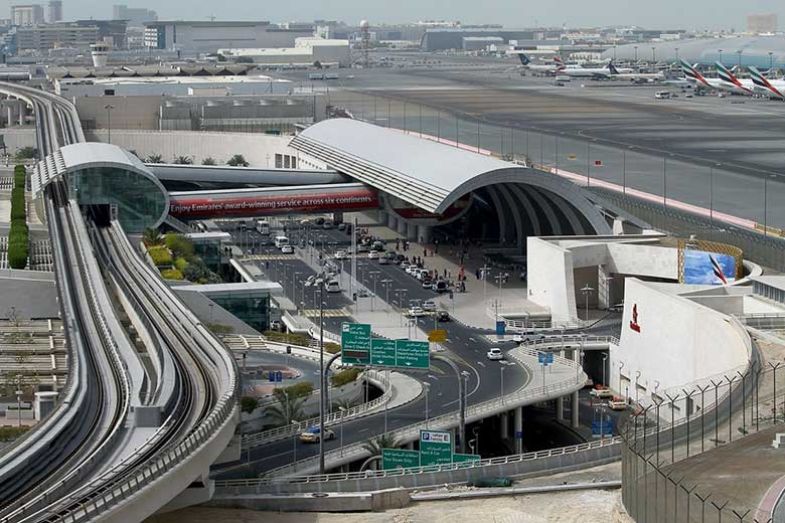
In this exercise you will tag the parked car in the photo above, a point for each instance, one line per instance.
(287, 249)
(378, 246)
(601, 393)
(427, 283)
(429, 305)
(327, 225)
(311, 435)
(495, 354)
(441, 286)
(362, 248)
(332, 286)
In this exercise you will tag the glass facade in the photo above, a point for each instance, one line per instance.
(250, 307)
(141, 203)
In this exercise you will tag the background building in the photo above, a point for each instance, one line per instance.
(762, 24)
(208, 37)
(451, 38)
(305, 52)
(54, 11)
(136, 17)
(45, 37)
(25, 15)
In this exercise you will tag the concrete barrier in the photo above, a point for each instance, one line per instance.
(333, 502)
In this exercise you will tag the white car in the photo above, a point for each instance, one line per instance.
(527, 338)
(601, 393)
(495, 354)
(415, 312)
(373, 255)
(429, 305)
(287, 249)
(341, 255)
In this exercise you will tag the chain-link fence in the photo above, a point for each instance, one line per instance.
(698, 454)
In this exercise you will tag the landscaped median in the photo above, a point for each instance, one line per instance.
(19, 235)
(173, 255)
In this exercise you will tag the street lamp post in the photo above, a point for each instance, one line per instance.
(771, 61)
(109, 108)
(427, 387)
(766, 203)
(294, 445)
(636, 52)
(720, 51)
(604, 359)
(501, 388)
(586, 290)
(653, 56)
(340, 427)
(318, 281)
(461, 398)
(387, 283)
(739, 52)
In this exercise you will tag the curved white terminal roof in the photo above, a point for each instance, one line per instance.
(423, 172)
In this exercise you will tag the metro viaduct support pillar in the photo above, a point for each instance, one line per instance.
(504, 426)
(519, 430)
(411, 232)
(392, 223)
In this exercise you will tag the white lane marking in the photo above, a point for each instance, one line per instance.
(481, 364)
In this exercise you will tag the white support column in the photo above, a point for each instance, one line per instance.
(402, 227)
(411, 232)
(519, 430)
(575, 407)
(424, 233)
(603, 288)
(392, 223)
(22, 111)
(9, 115)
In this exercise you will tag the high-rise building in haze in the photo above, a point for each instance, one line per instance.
(54, 11)
(31, 14)
(762, 24)
(136, 17)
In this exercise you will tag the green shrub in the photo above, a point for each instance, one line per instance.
(180, 246)
(288, 337)
(345, 376)
(248, 404)
(18, 245)
(20, 175)
(26, 153)
(299, 390)
(11, 433)
(332, 348)
(18, 204)
(160, 255)
(171, 274)
(181, 264)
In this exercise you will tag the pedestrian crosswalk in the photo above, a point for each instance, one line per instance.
(269, 257)
(328, 313)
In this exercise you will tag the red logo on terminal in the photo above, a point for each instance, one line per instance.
(634, 323)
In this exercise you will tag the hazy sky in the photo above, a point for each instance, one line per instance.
(512, 13)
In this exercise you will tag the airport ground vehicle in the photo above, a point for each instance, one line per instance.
(287, 249)
(263, 227)
(601, 393)
(662, 95)
(280, 241)
(617, 403)
(311, 435)
(495, 354)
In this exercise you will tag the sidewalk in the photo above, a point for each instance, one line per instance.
(470, 308)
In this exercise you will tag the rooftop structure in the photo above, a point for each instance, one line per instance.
(24, 15)
(306, 51)
(136, 17)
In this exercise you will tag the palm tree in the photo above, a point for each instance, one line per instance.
(287, 409)
(152, 237)
(183, 160)
(209, 161)
(385, 441)
(341, 404)
(155, 158)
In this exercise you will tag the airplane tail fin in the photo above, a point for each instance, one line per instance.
(524, 59)
(612, 68)
(559, 63)
(761, 81)
(688, 70)
(724, 73)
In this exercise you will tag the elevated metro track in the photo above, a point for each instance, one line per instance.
(124, 440)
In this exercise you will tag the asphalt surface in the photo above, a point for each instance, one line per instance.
(704, 150)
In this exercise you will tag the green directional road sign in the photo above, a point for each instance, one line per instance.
(412, 354)
(462, 458)
(383, 352)
(400, 458)
(435, 447)
(356, 343)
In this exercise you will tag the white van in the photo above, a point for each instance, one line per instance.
(263, 227)
(280, 241)
(662, 95)
(332, 286)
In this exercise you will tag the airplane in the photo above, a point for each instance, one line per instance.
(594, 73)
(635, 77)
(556, 67)
(744, 86)
(772, 88)
(699, 80)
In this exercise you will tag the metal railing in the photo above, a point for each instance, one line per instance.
(570, 341)
(358, 411)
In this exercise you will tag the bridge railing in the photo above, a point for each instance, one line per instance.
(568, 380)
(287, 431)
(571, 340)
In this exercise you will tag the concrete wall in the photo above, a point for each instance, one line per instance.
(550, 277)
(680, 342)
(19, 137)
(130, 112)
(259, 149)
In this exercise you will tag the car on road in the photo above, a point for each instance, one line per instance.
(362, 248)
(427, 283)
(415, 312)
(373, 255)
(341, 226)
(287, 249)
(601, 393)
(378, 246)
(495, 354)
(429, 305)
(527, 338)
(443, 316)
(311, 435)
(332, 286)
(441, 286)
(327, 225)
(341, 255)
(617, 403)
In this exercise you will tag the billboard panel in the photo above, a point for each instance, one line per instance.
(708, 268)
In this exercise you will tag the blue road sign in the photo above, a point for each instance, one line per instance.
(501, 327)
(605, 428)
(545, 358)
(518, 434)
